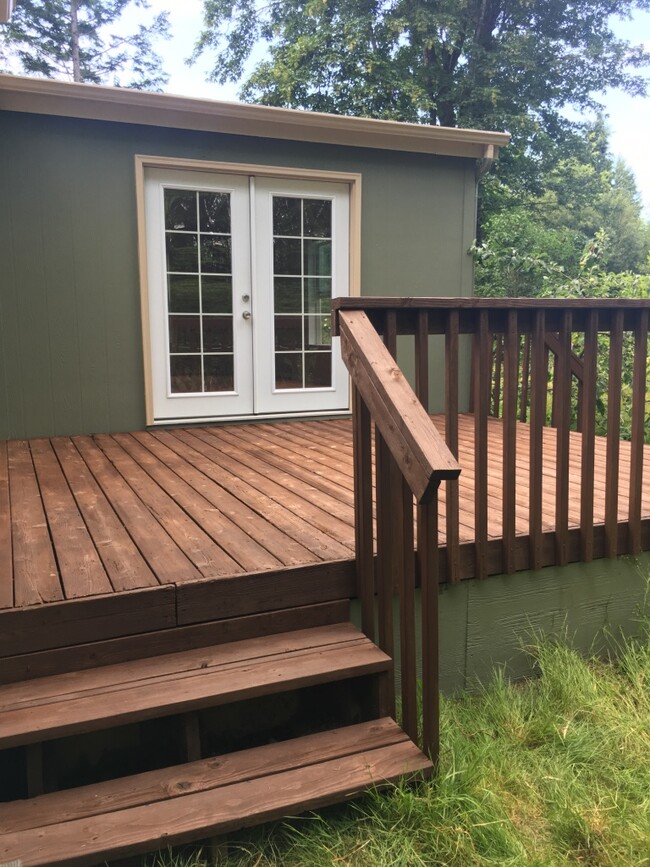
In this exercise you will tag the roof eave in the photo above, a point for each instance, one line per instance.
(43, 96)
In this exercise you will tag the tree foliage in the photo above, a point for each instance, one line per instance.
(82, 40)
(486, 63)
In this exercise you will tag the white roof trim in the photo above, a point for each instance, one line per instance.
(67, 99)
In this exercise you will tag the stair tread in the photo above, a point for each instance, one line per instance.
(73, 702)
(138, 814)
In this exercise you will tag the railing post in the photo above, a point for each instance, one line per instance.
(538, 391)
(613, 433)
(451, 438)
(588, 433)
(481, 401)
(428, 559)
(509, 445)
(363, 532)
(562, 403)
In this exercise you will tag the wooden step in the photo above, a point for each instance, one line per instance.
(139, 814)
(79, 701)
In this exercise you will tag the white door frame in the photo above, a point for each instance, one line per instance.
(314, 406)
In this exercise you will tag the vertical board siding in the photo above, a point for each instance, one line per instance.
(70, 333)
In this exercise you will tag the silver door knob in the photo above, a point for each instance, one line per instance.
(246, 314)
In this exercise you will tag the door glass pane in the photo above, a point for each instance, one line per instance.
(199, 280)
(302, 286)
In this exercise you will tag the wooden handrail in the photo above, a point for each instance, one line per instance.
(549, 509)
(420, 452)
(411, 459)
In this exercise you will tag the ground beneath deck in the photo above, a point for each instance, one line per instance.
(88, 516)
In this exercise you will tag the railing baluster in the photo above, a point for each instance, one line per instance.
(496, 382)
(481, 403)
(562, 418)
(588, 432)
(538, 386)
(639, 386)
(422, 359)
(451, 438)
(525, 380)
(428, 558)
(407, 618)
(363, 531)
(385, 574)
(510, 365)
(613, 434)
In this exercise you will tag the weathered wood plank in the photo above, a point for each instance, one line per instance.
(177, 683)
(363, 526)
(36, 576)
(265, 591)
(66, 623)
(80, 567)
(84, 842)
(126, 567)
(165, 558)
(110, 651)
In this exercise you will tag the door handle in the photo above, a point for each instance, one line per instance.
(246, 314)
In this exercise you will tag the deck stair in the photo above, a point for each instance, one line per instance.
(206, 796)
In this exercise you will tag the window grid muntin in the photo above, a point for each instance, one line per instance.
(199, 233)
(303, 353)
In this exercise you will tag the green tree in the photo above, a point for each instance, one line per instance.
(82, 40)
(487, 63)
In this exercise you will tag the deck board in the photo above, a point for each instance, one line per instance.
(88, 516)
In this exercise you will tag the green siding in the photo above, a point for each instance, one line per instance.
(70, 334)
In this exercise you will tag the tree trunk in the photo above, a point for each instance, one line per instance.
(74, 41)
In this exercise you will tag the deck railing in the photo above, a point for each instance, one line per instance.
(411, 459)
(565, 362)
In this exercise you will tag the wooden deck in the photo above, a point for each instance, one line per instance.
(103, 517)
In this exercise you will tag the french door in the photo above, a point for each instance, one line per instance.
(241, 273)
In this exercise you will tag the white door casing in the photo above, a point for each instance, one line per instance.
(240, 273)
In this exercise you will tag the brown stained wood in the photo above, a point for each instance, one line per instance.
(562, 408)
(384, 573)
(497, 358)
(183, 459)
(428, 573)
(414, 442)
(198, 448)
(257, 462)
(422, 360)
(317, 517)
(279, 453)
(36, 576)
(6, 543)
(126, 568)
(451, 438)
(177, 683)
(192, 736)
(640, 387)
(588, 432)
(153, 787)
(407, 618)
(207, 557)
(525, 380)
(537, 418)
(80, 567)
(81, 657)
(166, 560)
(510, 371)
(240, 595)
(77, 621)
(188, 816)
(365, 567)
(481, 408)
(239, 547)
(613, 434)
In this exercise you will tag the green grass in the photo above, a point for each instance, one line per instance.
(551, 771)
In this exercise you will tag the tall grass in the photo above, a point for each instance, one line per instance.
(551, 771)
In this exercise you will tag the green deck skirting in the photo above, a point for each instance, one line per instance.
(485, 623)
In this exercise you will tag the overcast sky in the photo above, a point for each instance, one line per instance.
(628, 118)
